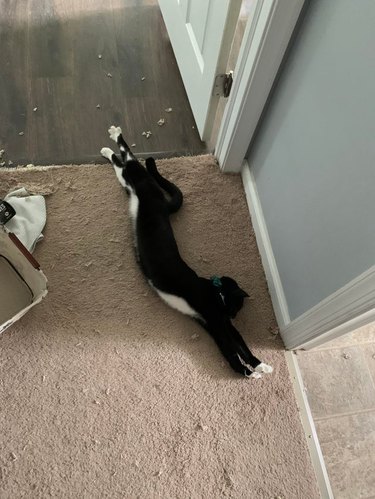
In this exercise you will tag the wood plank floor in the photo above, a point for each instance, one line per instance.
(49, 61)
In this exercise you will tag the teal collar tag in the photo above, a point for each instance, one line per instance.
(216, 281)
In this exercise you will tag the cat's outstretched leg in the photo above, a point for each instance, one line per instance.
(235, 350)
(115, 133)
(231, 352)
(264, 368)
(225, 345)
(239, 367)
(247, 359)
(247, 356)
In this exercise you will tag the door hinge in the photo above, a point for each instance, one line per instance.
(223, 84)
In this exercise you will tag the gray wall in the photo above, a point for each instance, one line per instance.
(314, 157)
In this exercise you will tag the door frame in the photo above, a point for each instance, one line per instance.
(268, 32)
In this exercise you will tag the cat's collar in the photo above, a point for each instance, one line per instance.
(216, 281)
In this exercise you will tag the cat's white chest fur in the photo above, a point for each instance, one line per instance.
(177, 303)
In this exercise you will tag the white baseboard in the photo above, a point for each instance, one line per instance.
(347, 327)
(264, 244)
(309, 427)
(350, 307)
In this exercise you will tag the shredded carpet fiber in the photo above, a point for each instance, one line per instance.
(107, 392)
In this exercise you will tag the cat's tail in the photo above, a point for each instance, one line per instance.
(176, 197)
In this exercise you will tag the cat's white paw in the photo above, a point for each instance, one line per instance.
(114, 132)
(255, 375)
(264, 368)
(106, 152)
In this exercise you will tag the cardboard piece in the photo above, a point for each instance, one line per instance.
(22, 282)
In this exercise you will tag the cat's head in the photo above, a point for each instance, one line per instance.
(231, 295)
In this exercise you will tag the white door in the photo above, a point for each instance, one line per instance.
(201, 33)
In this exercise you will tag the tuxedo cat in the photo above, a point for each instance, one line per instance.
(211, 302)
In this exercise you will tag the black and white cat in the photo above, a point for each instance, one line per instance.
(211, 302)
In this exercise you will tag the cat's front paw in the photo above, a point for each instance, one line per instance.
(114, 132)
(263, 368)
(106, 152)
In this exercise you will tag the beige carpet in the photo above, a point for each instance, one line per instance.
(107, 392)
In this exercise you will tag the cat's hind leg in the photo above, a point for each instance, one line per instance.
(118, 166)
(115, 133)
(107, 153)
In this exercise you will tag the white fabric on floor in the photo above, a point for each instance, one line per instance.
(30, 218)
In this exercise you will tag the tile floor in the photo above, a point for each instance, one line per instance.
(340, 381)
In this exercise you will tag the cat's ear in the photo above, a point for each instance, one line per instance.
(241, 293)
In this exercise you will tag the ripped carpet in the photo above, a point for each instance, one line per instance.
(107, 392)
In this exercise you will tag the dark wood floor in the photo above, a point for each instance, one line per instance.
(49, 61)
